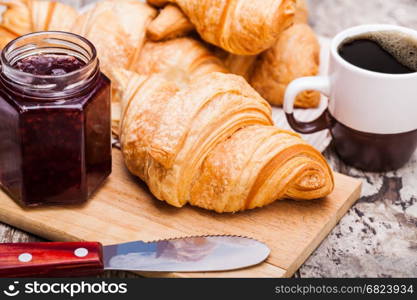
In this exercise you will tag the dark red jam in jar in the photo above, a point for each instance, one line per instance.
(55, 136)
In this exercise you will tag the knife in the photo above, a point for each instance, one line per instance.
(189, 254)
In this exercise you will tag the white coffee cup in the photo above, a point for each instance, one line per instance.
(372, 116)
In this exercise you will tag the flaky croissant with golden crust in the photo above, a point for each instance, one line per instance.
(170, 23)
(5, 37)
(242, 65)
(117, 28)
(244, 27)
(301, 14)
(296, 54)
(179, 59)
(25, 16)
(212, 144)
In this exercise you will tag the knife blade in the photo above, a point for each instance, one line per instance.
(188, 254)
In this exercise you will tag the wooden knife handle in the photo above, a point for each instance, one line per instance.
(71, 259)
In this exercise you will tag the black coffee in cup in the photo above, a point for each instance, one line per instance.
(371, 115)
(381, 51)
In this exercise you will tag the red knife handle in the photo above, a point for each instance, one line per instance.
(71, 259)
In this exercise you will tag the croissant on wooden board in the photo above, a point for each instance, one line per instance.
(244, 27)
(194, 135)
(25, 16)
(212, 144)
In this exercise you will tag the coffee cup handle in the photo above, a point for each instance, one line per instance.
(317, 83)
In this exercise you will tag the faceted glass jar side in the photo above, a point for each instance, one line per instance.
(10, 150)
(97, 136)
(56, 144)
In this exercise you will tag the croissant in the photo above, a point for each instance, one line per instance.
(244, 27)
(185, 54)
(301, 14)
(16, 19)
(295, 54)
(170, 23)
(25, 16)
(178, 59)
(5, 37)
(242, 65)
(212, 144)
(118, 29)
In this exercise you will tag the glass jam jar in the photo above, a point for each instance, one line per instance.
(55, 136)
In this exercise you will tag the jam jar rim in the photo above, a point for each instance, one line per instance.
(45, 98)
(72, 81)
(5, 61)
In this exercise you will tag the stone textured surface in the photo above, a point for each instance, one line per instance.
(378, 236)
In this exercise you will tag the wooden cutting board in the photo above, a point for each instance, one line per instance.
(124, 210)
